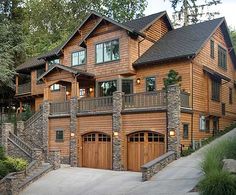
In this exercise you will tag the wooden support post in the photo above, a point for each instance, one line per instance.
(21, 107)
(17, 83)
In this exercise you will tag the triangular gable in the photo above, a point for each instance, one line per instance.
(65, 68)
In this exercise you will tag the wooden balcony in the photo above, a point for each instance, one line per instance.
(60, 108)
(147, 100)
(144, 100)
(23, 89)
(96, 104)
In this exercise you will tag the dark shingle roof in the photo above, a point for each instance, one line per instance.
(30, 63)
(179, 43)
(141, 23)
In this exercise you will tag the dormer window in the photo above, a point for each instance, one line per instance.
(78, 58)
(107, 51)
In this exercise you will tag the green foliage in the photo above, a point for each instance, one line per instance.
(173, 77)
(187, 152)
(216, 181)
(9, 164)
(2, 153)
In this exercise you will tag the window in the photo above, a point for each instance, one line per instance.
(150, 84)
(108, 51)
(39, 73)
(212, 49)
(215, 89)
(223, 109)
(127, 86)
(59, 135)
(222, 57)
(78, 58)
(82, 92)
(106, 88)
(202, 122)
(185, 131)
(55, 87)
(55, 61)
(230, 95)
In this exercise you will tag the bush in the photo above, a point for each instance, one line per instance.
(10, 165)
(218, 183)
(187, 152)
(2, 153)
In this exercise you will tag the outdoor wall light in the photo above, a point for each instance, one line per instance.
(72, 134)
(138, 81)
(116, 133)
(90, 89)
(67, 93)
(172, 133)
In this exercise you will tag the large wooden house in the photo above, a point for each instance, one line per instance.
(103, 56)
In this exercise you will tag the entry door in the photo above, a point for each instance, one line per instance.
(144, 147)
(97, 151)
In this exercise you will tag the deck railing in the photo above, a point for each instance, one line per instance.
(144, 100)
(60, 108)
(24, 88)
(95, 104)
(184, 97)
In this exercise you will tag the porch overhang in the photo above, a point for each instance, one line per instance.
(215, 74)
(72, 70)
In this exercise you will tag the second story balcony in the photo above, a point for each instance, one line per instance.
(23, 89)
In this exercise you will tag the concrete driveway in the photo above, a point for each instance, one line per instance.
(178, 178)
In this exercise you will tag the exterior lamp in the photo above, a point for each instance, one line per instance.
(116, 133)
(90, 89)
(67, 93)
(172, 133)
(138, 81)
(72, 134)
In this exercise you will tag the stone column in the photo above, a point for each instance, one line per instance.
(45, 127)
(117, 130)
(6, 128)
(173, 113)
(73, 131)
(55, 159)
(38, 155)
(20, 126)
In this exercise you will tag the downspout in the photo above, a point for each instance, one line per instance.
(192, 105)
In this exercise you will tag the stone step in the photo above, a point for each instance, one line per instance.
(35, 175)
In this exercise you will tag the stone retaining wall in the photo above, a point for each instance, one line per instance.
(154, 166)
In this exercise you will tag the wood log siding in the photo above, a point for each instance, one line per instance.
(24, 88)
(144, 100)
(95, 104)
(60, 108)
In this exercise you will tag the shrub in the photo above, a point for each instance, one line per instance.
(2, 153)
(10, 164)
(187, 152)
(218, 183)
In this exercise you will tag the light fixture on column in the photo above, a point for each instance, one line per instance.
(67, 93)
(115, 133)
(138, 81)
(172, 132)
(72, 134)
(90, 89)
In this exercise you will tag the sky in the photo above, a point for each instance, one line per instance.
(226, 9)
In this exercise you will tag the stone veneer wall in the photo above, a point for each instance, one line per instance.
(33, 133)
(116, 129)
(154, 166)
(73, 131)
(173, 113)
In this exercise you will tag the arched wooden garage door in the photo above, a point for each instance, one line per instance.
(144, 147)
(97, 151)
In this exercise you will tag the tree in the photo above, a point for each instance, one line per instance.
(189, 11)
(233, 36)
(173, 77)
(48, 22)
